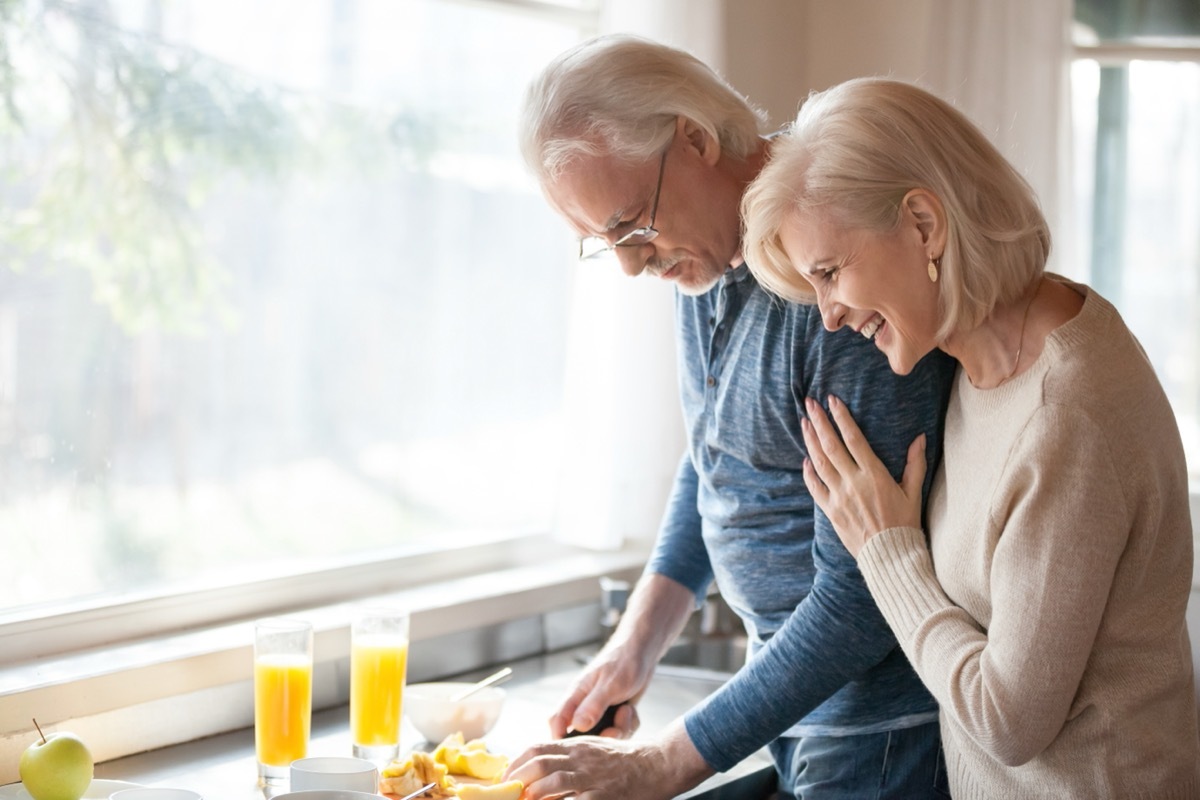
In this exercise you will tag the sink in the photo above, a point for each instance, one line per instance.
(756, 780)
(712, 657)
(709, 650)
(711, 646)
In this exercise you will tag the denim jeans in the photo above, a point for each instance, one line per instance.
(905, 765)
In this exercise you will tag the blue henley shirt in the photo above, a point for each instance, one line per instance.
(824, 661)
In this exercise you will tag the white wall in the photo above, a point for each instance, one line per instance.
(780, 50)
(1003, 63)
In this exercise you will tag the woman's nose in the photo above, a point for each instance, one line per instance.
(832, 314)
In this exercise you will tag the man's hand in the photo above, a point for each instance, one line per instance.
(617, 676)
(596, 768)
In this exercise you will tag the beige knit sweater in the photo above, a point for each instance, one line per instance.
(1050, 622)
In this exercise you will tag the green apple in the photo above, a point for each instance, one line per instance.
(56, 767)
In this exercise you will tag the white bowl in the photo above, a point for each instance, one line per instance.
(334, 772)
(428, 708)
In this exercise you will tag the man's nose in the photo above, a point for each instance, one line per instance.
(633, 259)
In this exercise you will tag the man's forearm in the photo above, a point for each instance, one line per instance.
(686, 768)
(658, 609)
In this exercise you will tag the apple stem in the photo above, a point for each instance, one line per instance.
(39, 730)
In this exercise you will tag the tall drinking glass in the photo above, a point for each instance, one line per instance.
(378, 662)
(283, 657)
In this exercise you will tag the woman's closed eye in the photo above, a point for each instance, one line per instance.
(824, 274)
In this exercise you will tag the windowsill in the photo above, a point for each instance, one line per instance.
(140, 695)
(135, 696)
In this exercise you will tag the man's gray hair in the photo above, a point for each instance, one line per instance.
(621, 95)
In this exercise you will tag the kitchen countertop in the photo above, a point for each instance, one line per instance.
(223, 767)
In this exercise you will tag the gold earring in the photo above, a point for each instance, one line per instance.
(932, 269)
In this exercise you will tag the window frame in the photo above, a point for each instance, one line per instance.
(138, 695)
(1122, 53)
(1118, 53)
(58, 628)
(86, 625)
(171, 665)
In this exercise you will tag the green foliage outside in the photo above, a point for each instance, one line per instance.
(111, 141)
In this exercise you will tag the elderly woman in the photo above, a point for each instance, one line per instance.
(1046, 611)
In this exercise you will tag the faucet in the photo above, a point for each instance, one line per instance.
(614, 595)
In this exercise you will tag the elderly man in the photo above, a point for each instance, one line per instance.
(646, 152)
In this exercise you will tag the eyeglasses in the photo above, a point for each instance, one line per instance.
(595, 246)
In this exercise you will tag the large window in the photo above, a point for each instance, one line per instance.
(1136, 105)
(275, 290)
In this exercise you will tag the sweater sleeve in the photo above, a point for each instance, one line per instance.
(679, 552)
(1010, 685)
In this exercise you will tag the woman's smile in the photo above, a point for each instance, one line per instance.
(875, 283)
(872, 326)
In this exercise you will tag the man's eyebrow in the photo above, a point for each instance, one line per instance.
(614, 220)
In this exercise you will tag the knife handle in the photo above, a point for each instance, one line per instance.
(606, 721)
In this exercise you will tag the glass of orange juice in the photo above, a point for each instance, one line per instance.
(378, 662)
(283, 660)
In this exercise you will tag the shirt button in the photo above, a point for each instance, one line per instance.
(711, 381)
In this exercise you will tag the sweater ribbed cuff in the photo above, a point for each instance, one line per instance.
(899, 572)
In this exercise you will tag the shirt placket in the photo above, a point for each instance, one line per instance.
(729, 302)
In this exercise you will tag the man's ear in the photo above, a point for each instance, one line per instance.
(924, 210)
(698, 140)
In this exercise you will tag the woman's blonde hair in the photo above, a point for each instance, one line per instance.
(856, 150)
(621, 95)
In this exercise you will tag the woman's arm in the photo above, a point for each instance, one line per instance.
(851, 484)
(1009, 684)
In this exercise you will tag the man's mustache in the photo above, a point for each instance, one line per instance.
(660, 266)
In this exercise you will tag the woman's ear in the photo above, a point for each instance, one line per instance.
(698, 139)
(924, 209)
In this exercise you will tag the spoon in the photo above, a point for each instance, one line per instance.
(496, 677)
(419, 792)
